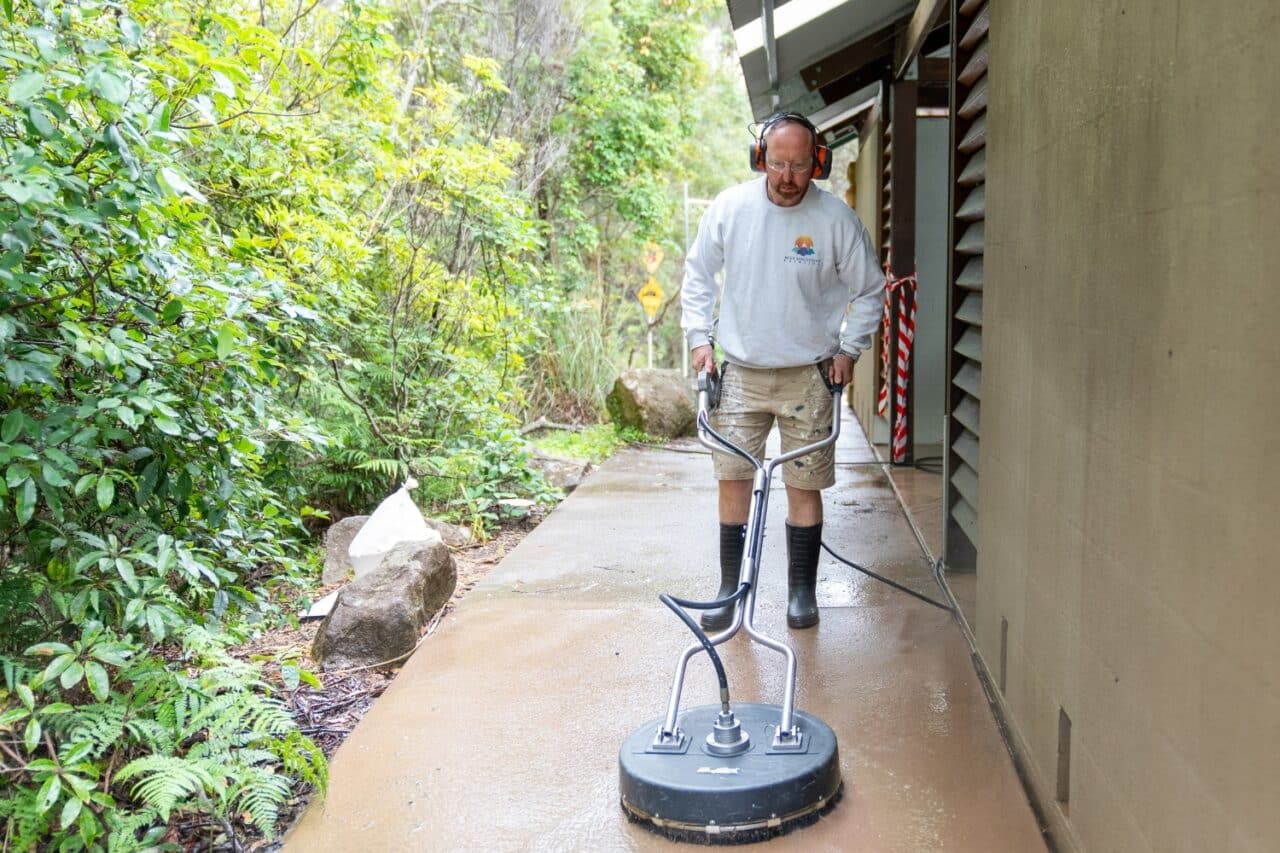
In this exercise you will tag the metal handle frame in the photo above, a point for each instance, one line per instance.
(744, 610)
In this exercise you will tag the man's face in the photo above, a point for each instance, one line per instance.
(789, 145)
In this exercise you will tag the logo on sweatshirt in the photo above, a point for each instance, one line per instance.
(803, 252)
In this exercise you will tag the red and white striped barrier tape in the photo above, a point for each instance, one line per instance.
(905, 331)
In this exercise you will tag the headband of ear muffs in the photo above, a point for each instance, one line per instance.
(821, 153)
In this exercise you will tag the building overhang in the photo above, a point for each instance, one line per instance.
(826, 58)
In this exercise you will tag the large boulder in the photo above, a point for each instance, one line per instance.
(379, 617)
(660, 402)
(337, 539)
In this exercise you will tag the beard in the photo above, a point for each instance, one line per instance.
(787, 190)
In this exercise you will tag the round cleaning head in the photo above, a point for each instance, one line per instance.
(692, 792)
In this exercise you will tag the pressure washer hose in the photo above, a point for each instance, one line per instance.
(926, 599)
(677, 606)
(708, 382)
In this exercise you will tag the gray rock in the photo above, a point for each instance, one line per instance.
(380, 616)
(337, 539)
(453, 535)
(660, 402)
(564, 474)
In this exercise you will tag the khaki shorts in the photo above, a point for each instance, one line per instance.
(751, 399)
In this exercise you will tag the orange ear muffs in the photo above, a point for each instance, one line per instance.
(821, 153)
(821, 163)
(821, 160)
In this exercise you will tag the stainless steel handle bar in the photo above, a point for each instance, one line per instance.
(744, 612)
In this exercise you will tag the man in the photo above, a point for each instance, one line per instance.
(803, 292)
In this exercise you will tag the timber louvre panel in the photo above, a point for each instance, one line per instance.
(970, 58)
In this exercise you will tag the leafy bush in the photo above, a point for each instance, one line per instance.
(146, 488)
(257, 258)
(215, 740)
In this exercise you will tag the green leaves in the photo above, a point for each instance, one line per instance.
(70, 811)
(227, 334)
(12, 426)
(49, 792)
(176, 183)
(107, 84)
(71, 675)
(106, 491)
(152, 342)
(26, 87)
(166, 425)
(172, 311)
(193, 227)
(99, 681)
(25, 502)
(31, 734)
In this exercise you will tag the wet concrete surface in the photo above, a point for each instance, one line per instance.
(502, 732)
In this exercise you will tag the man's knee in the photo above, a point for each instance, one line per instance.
(804, 507)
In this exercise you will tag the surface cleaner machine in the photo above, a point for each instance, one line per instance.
(738, 772)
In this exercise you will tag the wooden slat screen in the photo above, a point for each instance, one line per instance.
(969, 166)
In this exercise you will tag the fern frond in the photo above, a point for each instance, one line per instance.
(125, 826)
(150, 734)
(166, 780)
(101, 726)
(300, 757)
(260, 795)
(392, 468)
(23, 824)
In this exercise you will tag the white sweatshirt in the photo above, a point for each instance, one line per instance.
(800, 283)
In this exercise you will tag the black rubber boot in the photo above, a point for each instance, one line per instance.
(733, 539)
(803, 547)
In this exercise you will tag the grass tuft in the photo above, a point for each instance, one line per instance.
(593, 444)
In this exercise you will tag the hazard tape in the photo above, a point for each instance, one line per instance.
(905, 331)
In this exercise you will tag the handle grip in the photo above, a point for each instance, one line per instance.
(832, 387)
(709, 383)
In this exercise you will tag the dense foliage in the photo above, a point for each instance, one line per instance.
(258, 263)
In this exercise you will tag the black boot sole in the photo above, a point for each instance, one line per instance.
(807, 622)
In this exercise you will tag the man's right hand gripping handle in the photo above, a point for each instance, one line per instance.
(703, 358)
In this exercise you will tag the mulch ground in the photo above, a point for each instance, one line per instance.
(329, 714)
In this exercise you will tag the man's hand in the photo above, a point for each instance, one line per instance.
(703, 358)
(841, 372)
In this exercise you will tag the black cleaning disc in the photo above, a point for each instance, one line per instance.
(694, 795)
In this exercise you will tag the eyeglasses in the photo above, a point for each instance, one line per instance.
(780, 166)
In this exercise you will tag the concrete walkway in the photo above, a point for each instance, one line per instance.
(502, 732)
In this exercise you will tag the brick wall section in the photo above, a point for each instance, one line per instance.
(1130, 486)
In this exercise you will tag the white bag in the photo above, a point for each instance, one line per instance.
(396, 520)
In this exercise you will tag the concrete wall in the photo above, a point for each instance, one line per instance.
(869, 190)
(1130, 483)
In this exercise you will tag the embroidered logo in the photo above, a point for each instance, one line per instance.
(803, 252)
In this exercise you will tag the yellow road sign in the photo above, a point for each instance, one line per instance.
(652, 257)
(650, 296)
